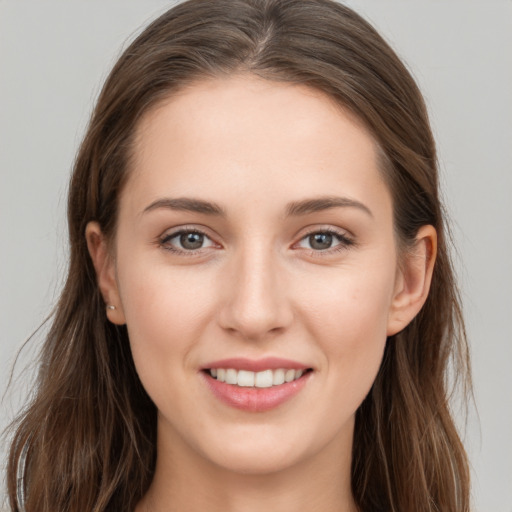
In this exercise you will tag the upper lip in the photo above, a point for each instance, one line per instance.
(256, 365)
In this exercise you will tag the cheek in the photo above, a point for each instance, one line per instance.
(349, 323)
(165, 312)
(349, 306)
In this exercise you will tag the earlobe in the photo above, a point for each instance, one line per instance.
(105, 272)
(413, 280)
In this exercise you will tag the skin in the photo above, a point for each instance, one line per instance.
(257, 288)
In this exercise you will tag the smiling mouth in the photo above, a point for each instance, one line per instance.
(263, 379)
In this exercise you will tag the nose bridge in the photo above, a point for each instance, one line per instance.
(257, 302)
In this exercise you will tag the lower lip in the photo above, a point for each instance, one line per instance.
(255, 399)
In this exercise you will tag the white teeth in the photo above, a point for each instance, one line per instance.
(289, 375)
(246, 379)
(231, 377)
(278, 377)
(263, 379)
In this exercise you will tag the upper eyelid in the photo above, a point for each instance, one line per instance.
(172, 232)
(303, 233)
(310, 230)
(341, 234)
(338, 231)
(177, 232)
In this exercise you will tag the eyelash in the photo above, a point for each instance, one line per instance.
(163, 242)
(345, 242)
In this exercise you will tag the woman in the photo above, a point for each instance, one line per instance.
(260, 307)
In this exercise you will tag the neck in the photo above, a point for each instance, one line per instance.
(184, 480)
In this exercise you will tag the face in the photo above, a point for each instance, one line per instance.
(255, 244)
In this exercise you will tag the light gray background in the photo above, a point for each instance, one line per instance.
(54, 56)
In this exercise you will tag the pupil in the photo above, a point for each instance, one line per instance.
(320, 241)
(191, 240)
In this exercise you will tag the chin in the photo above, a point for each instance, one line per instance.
(258, 453)
(256, 462)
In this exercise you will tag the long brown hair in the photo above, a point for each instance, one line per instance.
(87, 440)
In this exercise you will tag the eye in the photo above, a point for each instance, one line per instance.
(186, 241)
(325, 240)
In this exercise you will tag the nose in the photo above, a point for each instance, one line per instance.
(256, 303)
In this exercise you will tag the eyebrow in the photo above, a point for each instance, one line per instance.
(295, 208)
(319, 204)
(187, 204)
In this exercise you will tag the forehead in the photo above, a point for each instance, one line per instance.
(250, 135)
(240, 105)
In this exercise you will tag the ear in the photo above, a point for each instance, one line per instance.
(413, 280)
(105, 272)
